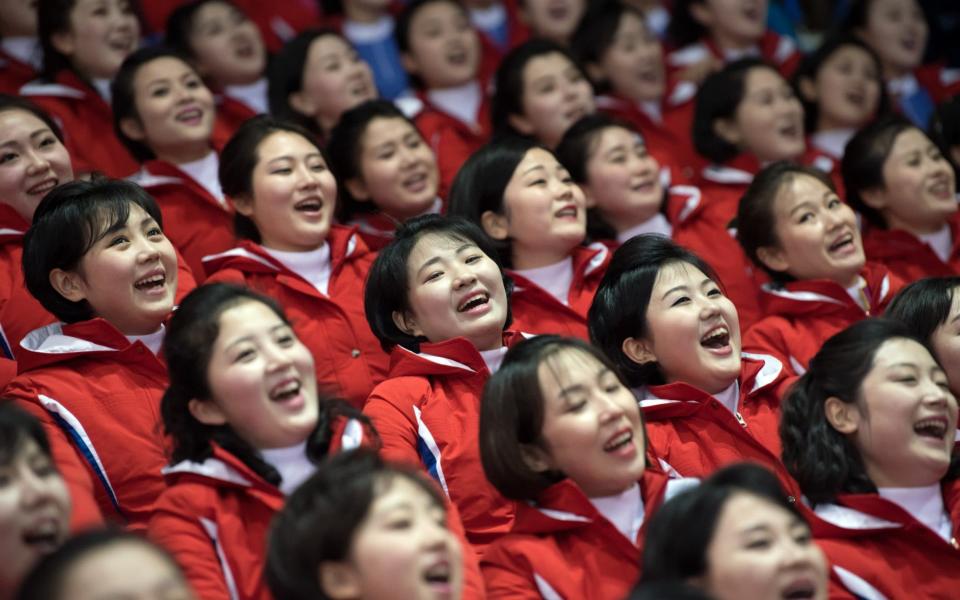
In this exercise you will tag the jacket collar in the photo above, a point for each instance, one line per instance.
(588, 261)
(250, 257)
(455, 356)
(222, 469)
(59, 342)
(737, 171)
(822, 296)
(12, 225)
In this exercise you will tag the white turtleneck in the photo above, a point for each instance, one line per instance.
(462, 101)
(204, 172)
(103, 88)
(254, 95)
(153, 341)
(491, 17)
(25, 49)
(652, 109)
(925, 504)
(555, 279)
(292, 464)
(624, 510)
(832, 141)
(730, 397)
(493, 358)
(368, 33)
(940, 241)
(313, 265)
(656, 224)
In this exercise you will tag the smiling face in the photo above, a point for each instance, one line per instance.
(34, 511)
(592, 430)
(454, 290)
(102, 33)
(444, 48)
(897, 32)
(335, 79)
(693, 330)
(553, 19)
(623, 179)
(634, 62)
(764, 552)
(768, 122)
(732, 23)
(294, 194)
(33, 161)
(847, 89)
(261, 378)
(817, 233)
(945, 341)
(174, 109)
(227, 45)
(555, 96)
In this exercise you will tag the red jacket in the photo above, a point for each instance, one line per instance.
(87, 123)
(98, 397)
(562, 547)
(802, 315)
(779, 51)
(14, 73)
(197, 224)
(907, 256)
(428, 414)
(214, 517)
(231, 114)
(692, 434)
(536, 311)
(942, 82)
(878, 550)
(348, 357)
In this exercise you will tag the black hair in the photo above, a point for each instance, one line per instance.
(320, 519)
(597, 31)
(49, 576)
(619, 308)
(239, 158)
(188, 348)
(667, 590)
(756, 219)
(719, 96)
(8, 102)
(388, 287)
(512, 414)
(823, 461)
(179, 26)
(863, 159)
(684, 29)
(811, 65)
(924, 305)
(66, 225)
(480, 184)
(345, 148)
(401, 30)
(680, 532)
(16, 428)
(508, 85)
(944, 128)
(124, 97)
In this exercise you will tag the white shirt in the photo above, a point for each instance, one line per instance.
(292, 464)
(368, 33)
(833, 141)
(555, 279)
(462, 101)
(254, 95)
(25, 49)
(651, 108)
(487, 18)
(925, 504)
(204, 172)
(625, 510)
(856, 292)
(313, 265)
(493, 358)
(656, 224)
(940, 241)
(730, 398)
(153, 341)
(103, 88)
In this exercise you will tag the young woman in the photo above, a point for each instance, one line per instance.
(540, 91)
(34, 502)
(905, 190)
(535, 216)
(562, 434)
(242, 407)
(284, 194)
(165, 115)
(20, 55)
(551, 20)
(868, 433)
(386, 170)
(361, 528)
(84, 42)
(315, 78)
(792, 224)
(662, 318)
(370, 28)
(736, 535)
(437, 298)
(96, 258)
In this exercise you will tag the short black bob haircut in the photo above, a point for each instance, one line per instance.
(239, 158)
(595, 34)
(863, 159)
(66, 225)
(512, 414)
(944, 128)
(684, 29)
(756, 219)
(180, 23)
(8, 102)
(388, 287)
(823, 461)
(619, 308)
(924, 306)
(320, 519)
(719, 96)
(680, 532)
(17, 427)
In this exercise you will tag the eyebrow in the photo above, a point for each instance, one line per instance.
(534, 168)
(249, 337)
(38, 132)
(803, 205)
(437, 259)
(755, 528)
(684, 287)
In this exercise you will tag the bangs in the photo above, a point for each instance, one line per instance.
(109, 215)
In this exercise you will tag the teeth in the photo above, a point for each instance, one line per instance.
(286, 390)
(931, 427)
(150, 281)
(439, 572)
(619, 441)
(473, 301)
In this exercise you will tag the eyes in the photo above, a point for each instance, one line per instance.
(248, 351)
(164, 90)
(45, 142)
(763, 541)
(287, 169)
(437, 274)
(681, 300)
(40, 465)
(411, 141)
(122, 240)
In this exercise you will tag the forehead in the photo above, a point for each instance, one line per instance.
(799, 188)
(247, 316)
(902, 350)
(16, 119)
(535, 157)
(909, 140)
(545, 64)
(327, 44)
(384, 129)
(678, 272)
(394, 489)
(762, 77)
(615, 136)
(568, 366)
(440, 9)
(849, 52)
(165, 66)
(744, 511)
(282, 143)
(430, 245)
(214, 10)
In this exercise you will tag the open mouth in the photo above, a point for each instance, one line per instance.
(856, 98)
(474, 302)
(618, 441)
(121, 44)
(569, 211)
(843, 243)
(311, 205)
(43, 187)
(717, 338)
(285, 391)
(156, 280)
(645, 186)
(438, 573)
(574, 114)
(416, 182)
(360, 89)
(650, 75)
(244, 50)
(44, 536)
(457, 56)
(803, 588)
(191, 116)
(942, 189)
(931, 427)
(791, 131)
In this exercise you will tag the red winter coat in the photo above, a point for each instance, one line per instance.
(878, 550)
(562, 547)
(942, 82)
(428, 414)
(197, 224)
(535, 311)
(214, 517)
(98, 398)
(87, 123)
(907, 256)
(692, 434)
(779, 51)
(802, 315)
(14, 73)
(348, 357)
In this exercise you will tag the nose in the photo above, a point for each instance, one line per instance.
(147, 250)
(609, 409)
(463, 277)
(798, 554)
(277, 358)
(37, 162)
(34, 489)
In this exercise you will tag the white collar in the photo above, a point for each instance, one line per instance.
(624, 510)
(152, 340)
(925, 504)
(903, 86)
(292, 463)
(939, 241)
(856, 291)
(832, 141)
(657, 224)
(103, 88)
(204, 172)
(312, 265)
(555, 279)
(493, 358)
(488, 18)
(738, 53)
(25, 49)
(254, 95)
(730, 397)
(651, 108)
(368, 33)
(462, 101)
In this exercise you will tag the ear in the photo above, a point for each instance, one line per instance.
(132, 128)
(842, 416)
(875, 198)
(302, 103)
(521, 124)
(358, 189)
(807, 89)
(774, 258)
(638, 351)
(495, 225)
(243, 205)
(68, 284)
(536, 458)
(406, 323)
(728, 130)
(701, 14)
(338, 580)
(64, 43)
(411, 64)
(207, 412)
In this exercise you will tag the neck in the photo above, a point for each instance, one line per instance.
(891, 71)
(490, 342)
(729, 42)
(915, 228)
(186, 153)
(534, 259)
(360, 14)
